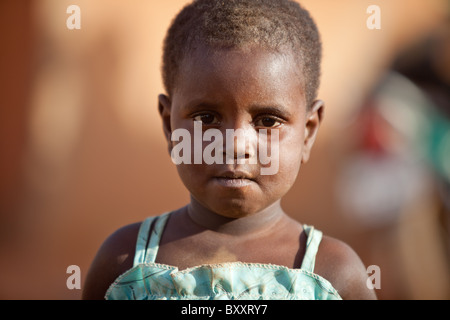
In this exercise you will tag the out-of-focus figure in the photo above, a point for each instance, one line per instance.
(397, 177)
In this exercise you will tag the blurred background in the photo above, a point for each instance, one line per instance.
(82, 150)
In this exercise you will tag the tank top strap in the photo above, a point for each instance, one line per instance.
(148, 239)
(313, 239)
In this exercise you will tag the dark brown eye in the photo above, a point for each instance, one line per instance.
(206, 118)
(268, 122)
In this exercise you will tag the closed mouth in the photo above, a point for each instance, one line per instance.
(235, 175)
(234, 179)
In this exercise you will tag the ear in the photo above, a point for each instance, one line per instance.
(314, 118)
(164, 108)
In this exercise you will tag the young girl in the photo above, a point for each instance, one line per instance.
(249, 67)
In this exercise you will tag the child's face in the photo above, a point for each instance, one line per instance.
(249, 90)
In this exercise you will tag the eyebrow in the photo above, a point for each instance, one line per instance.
(197, 105)
(274, 109)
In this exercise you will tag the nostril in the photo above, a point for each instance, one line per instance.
(239, 144)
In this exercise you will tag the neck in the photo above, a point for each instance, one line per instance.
(245, 225)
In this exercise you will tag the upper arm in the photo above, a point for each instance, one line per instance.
(114, 257)
(338, 263)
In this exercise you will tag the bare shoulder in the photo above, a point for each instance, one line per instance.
(340, 264)
(114, 257)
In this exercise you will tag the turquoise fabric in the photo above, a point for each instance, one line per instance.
(148, 280)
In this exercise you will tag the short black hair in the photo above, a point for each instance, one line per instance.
(272, 24)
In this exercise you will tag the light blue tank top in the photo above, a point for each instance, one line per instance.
(148, 280)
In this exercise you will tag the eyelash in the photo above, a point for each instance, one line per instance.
(276, 119)
(271, 118)
(199, 115)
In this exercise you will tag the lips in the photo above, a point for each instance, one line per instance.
(235, 175)
(234, 179)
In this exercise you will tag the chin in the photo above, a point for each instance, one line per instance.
(235, 208)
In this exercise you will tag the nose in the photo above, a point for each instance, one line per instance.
(240, 143)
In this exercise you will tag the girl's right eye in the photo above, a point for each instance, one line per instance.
(206, 118)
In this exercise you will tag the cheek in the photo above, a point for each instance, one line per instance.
(291, 149)
(193, 180)
(290, 165)
(278, 184)
(191, 175)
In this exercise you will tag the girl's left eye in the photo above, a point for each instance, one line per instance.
(268, 122)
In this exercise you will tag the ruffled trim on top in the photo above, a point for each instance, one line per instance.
(232, 280)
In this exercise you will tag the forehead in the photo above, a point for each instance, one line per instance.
(251, 73)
